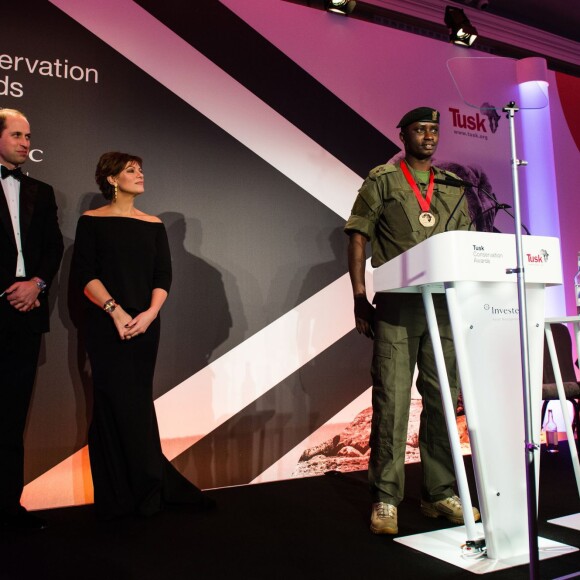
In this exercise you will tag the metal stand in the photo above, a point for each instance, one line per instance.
(530, 447)
(473, 535)
(575, 320)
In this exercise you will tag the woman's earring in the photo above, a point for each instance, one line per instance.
(115, 194)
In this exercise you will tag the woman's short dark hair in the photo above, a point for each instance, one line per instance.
(111, 164)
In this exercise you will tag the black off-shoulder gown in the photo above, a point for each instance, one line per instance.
(130, 474)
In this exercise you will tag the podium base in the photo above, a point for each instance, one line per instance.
(446, 545)
(571, 521)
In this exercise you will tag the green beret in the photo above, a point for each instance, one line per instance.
(424, 114)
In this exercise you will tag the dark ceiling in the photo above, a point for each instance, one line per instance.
(559, 17)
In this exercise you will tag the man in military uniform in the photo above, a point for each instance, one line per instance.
(398, 206)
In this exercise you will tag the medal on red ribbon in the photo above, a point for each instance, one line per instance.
(426, 218)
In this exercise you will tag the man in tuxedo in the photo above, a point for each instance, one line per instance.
(31, 249)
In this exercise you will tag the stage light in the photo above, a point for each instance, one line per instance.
(340, 6)
(461, 31)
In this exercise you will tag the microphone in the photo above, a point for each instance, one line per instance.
(456, 205)
(456, 182)
(453, 182)
(489, 209)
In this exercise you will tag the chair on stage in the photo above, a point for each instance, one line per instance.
(563, 343)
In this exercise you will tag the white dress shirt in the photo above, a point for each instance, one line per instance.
(11, 189)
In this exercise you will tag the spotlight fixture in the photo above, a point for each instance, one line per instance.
(461, 31)
(340, 6)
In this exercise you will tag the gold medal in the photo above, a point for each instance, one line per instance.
(427, 219)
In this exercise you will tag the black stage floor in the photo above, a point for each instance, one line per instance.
(299, 529)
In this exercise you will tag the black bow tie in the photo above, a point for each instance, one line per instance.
(16, 173)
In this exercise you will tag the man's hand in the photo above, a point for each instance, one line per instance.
(364, 315)
(23, 295)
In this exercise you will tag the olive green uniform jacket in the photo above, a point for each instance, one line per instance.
(387, 212)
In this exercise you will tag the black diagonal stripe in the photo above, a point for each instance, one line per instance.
(276, 79)
(259, 435)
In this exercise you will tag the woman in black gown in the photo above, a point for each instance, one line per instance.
(122, 263)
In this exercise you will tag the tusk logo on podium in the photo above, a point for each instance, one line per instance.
(541, 257)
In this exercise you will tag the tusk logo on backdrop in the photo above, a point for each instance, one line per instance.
(477, 126)
(492, 115)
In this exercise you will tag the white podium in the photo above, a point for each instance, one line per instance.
(470, 268)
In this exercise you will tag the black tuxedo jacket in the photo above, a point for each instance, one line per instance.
(42, 243)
